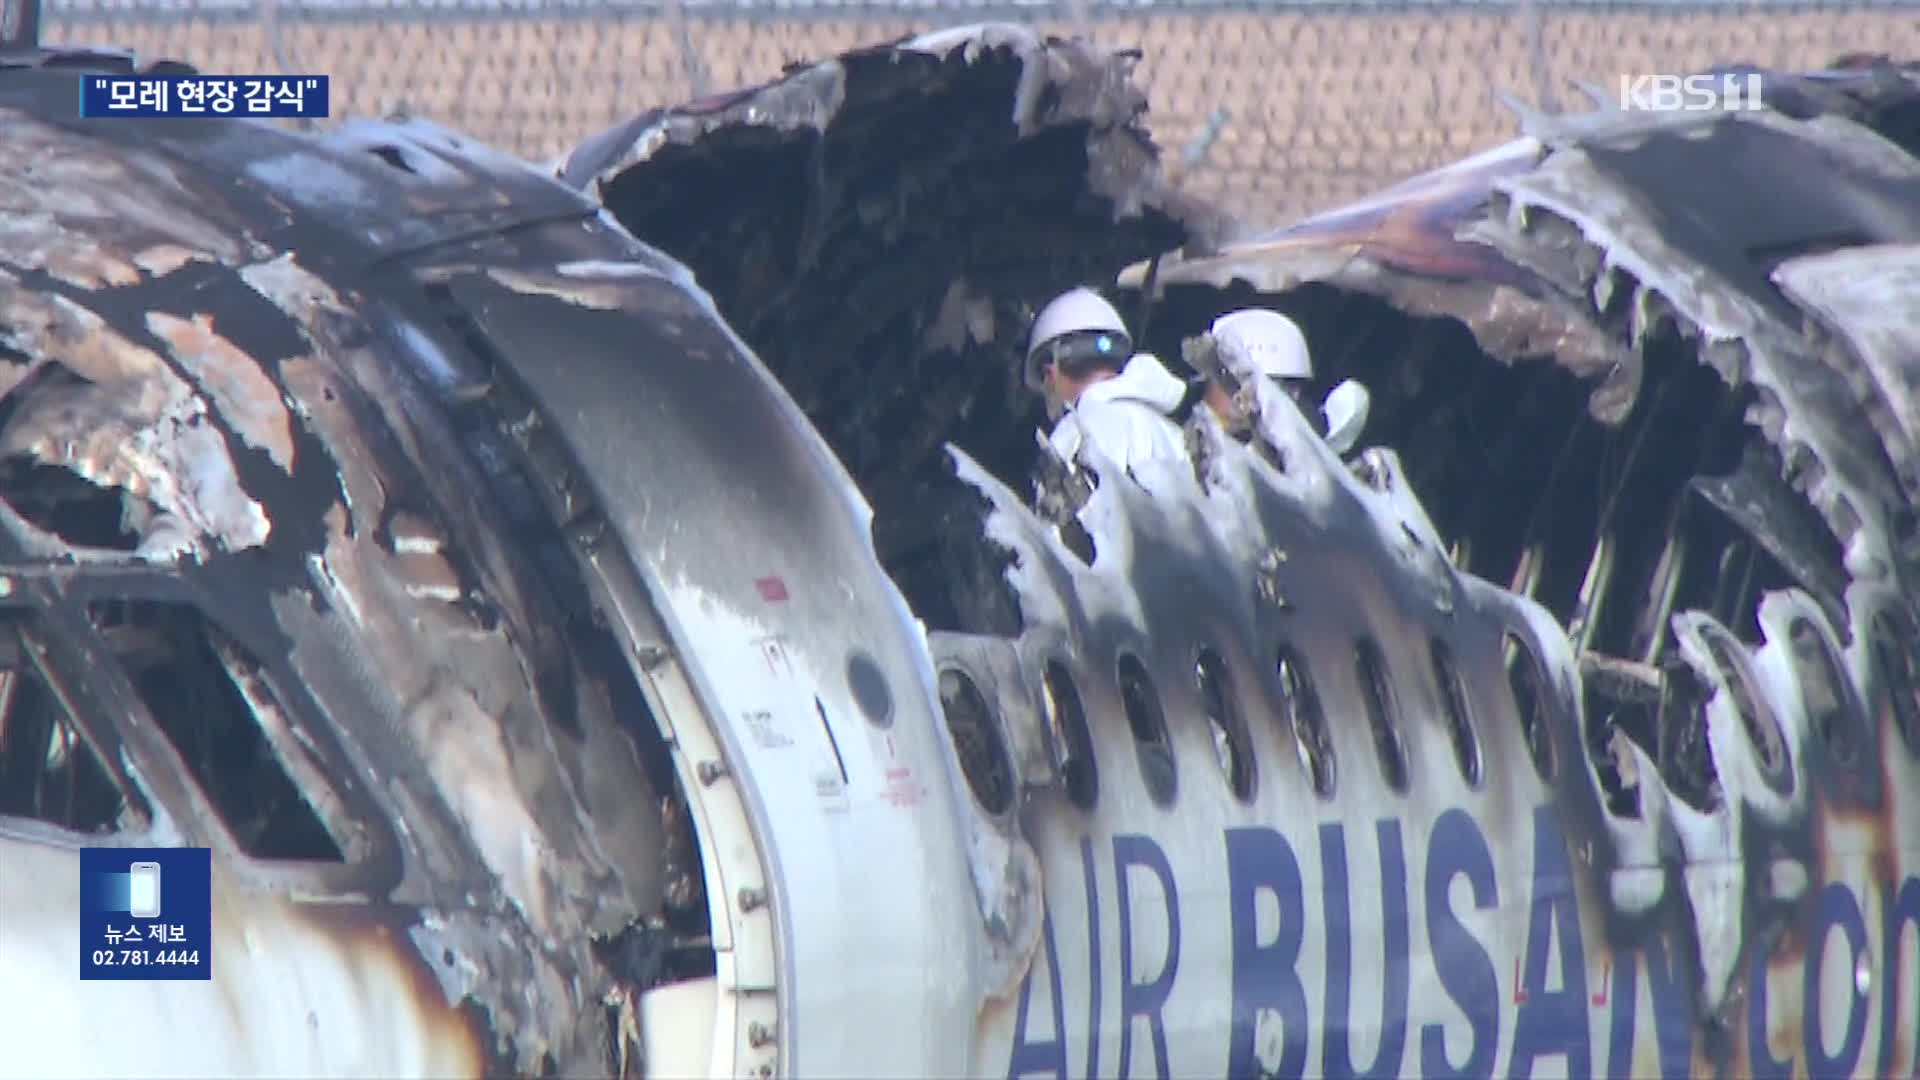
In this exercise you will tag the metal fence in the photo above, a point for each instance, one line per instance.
(1275, 108)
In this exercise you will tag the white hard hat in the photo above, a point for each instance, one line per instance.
(1076, 311)
(1264, 341)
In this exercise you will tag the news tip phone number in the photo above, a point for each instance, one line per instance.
(145, 957)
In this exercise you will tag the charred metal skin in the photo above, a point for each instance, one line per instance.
(1773, 248)
(930, 192)
(234, 414)
(558, 624)
(439, 463)
(1639, 671)
(404, 473)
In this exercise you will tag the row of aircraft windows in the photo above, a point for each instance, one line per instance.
(989, 771)
(207, 696)
(1896, 651)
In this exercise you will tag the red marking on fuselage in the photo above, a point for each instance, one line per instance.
(1606, 979)
(901, 788)
(1519, 988)
(772, 589)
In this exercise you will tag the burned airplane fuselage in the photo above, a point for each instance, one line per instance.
(361, 495)
(282, 578)
(383, 515)
(1599, 756)
(1700, 464)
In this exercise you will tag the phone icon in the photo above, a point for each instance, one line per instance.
(143, 892)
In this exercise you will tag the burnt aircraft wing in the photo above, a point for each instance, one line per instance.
(378, 514)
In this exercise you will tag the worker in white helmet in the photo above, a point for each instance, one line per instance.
(1081, 358)
(1259, 343)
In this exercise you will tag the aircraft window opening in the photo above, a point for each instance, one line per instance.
(869, 686)
(62, 502)
(1453, 696)
(1149, 724)
(209, 696)
(1307, 722)
(1769, 743)
(49, 770)
(1826, 691)
(1072, 736)
(1528, 685)
(1896, 653)
(1229, 738)
(1686, 758)
(977, 742)
(1371, 667)
(1611, 749)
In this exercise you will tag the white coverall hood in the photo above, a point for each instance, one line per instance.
(1128, 415)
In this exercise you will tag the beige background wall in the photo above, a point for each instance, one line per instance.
(1321, 107)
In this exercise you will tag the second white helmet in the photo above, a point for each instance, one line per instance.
(1076, 311)
(1263, 341)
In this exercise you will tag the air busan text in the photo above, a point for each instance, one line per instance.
(1391, 948)
(1690, 93)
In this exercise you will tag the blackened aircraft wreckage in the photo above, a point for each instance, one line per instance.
(579, 670)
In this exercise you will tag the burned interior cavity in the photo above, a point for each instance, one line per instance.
(1149, 726)
(1757, 718)
(1614, 528)
(65, 505)
(1684, 749)
(977, 742)
(1825, 691)
(1306, 722)
(1071, 737)
(1230, 746)
(1896, 656)
(1530, 491)
(889, 280)
(57, 500)
(49, 768)
(207, 694)
(1528, 685)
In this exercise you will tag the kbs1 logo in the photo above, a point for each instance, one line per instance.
(1691, 93)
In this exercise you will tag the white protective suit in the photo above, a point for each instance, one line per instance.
(1128, 416)
(1257, 342)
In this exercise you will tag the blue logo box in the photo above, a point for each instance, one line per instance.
(146, 913)
(203, 95)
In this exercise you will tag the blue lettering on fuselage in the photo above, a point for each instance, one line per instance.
(1460, 962)
(1337, 1058)
(1902, 911)
(1261, 860)
(1838, 910)
(1145, 999)
(1049, 1057)
(1672, 1009)
(1271, 1022)
(1552, 1021)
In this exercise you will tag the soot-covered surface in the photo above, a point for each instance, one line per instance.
(1617, 363)
(892, 218)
